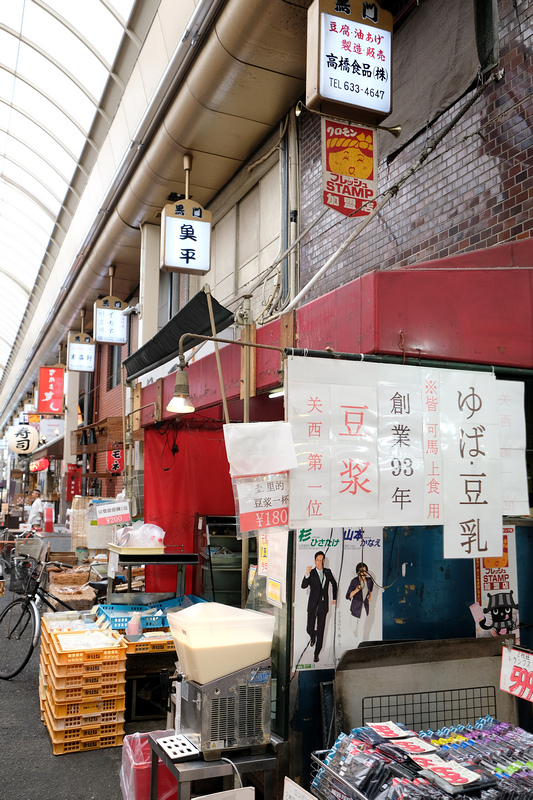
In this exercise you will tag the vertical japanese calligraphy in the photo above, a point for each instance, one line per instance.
(185, 238)
(50, 395)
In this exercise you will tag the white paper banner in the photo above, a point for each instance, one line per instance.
(394, 444)
(259, 448)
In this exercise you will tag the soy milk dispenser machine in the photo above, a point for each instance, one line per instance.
(224, 662)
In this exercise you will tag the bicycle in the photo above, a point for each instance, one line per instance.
(20, 620)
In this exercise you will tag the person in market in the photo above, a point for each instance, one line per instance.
(318, 579)
(36, 515)
(359, 593)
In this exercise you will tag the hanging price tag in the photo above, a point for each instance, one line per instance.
(516, 675)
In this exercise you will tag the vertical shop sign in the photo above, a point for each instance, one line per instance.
(185, 238)
(51, 390)
(496, 583)
(512, 426)
(349, 59)
(349, 167)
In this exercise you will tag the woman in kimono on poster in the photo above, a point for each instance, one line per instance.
(359, 594)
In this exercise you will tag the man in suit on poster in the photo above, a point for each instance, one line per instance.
(318, 579)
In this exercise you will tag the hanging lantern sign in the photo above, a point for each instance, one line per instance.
(51, 390)
(115, 461)
(40, 465)
(81, 352)
(349, 59)
(22, 439)
(110, 324)
(185, 238)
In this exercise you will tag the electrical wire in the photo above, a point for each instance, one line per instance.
(238, 774)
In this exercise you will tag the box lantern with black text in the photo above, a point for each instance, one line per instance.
(349, 60)
(81, 352)
(110, 324)
(186, 238)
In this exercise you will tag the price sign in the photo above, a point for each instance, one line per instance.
(451, 771)
(516, 675)
(389, 730)
(113, 513)
(415, 745)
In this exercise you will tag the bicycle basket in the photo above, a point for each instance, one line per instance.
(21, 578)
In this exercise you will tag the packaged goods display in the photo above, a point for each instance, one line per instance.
(490, 760)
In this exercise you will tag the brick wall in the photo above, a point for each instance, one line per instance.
(475, 191)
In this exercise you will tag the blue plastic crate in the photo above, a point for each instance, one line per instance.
(118, 616)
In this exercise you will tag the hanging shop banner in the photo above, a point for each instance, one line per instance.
(81, 352)
(262, 503)
(496, 583)
(115, 461)
(516, 674)
(259, 448)
(394, 444)
(349, 59)
(51, 390)
(51, 428)
(337, 595)
(186, 238)
(349, 167)
(110, 324)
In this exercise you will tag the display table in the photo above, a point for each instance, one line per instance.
(188, 771)
(132, 557)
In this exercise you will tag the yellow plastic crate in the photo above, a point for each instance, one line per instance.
(154, 646)
(88, 679)
(117, 664)
(70, 721)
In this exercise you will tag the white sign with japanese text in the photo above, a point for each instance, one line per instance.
(112, 513)
(110, 324)
(81, 353)
(516, 675)
(186, 238)
(395, 444)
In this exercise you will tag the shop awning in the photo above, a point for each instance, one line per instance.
(52, 449)
(192, 318)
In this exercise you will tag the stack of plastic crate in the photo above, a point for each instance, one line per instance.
(83, 683)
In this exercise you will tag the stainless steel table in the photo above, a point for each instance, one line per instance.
(188, 771)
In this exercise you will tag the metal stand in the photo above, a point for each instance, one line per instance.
(188, 771)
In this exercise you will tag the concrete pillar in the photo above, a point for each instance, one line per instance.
(149, 282)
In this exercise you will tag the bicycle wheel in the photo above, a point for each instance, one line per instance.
(17, 629)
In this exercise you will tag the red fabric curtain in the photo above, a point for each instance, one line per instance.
(186, 472)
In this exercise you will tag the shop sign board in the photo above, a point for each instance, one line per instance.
(349, 59)
(394, 444)
(81, 352)
(349, 167)
(186, 238)
(110, 324)
(113, 513)
(51, 390)
(40, 465)
(516, 674)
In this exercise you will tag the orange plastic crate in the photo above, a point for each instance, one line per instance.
(73, 734)
(117, 664)
(66, 709)
(89, 678)
(155, 646)
(86, 693)
(66, 650)
(63, 723)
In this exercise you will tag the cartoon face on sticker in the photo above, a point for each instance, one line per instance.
(352, 157)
